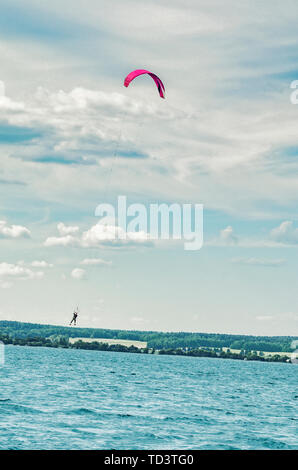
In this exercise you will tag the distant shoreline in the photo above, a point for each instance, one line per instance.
(154, 339)
(242, 347)
(200, 352)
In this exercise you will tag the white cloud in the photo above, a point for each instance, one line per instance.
(78, 273)
(8, 270)
(100, 235)
(13, 231)
(227, 235)
(41, 264)
(6, 104)
(67, 240)
(205, 149)
(285, 233)
(96, 261)
(112, 235)
(66, 229)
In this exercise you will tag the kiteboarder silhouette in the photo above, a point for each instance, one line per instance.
(74, 317)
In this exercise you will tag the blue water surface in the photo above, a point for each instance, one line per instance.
(76, 399)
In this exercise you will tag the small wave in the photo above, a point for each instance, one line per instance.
(104, 414)
(268, 443)
(13, 407)
(82, 411)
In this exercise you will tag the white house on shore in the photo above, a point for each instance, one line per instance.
(109, 341)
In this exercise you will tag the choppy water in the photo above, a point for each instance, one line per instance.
(75, 399)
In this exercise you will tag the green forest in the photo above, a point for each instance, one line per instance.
(11, 330)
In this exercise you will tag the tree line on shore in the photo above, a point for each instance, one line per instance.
(60, 341)
(154, 339)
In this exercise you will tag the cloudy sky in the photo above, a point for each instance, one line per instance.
(226, 136)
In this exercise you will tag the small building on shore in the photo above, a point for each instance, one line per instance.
(123, 342)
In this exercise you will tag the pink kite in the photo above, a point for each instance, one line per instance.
(132, 75)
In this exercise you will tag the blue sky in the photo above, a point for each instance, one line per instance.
(226, 137)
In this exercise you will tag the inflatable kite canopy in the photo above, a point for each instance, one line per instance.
(132, 75)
